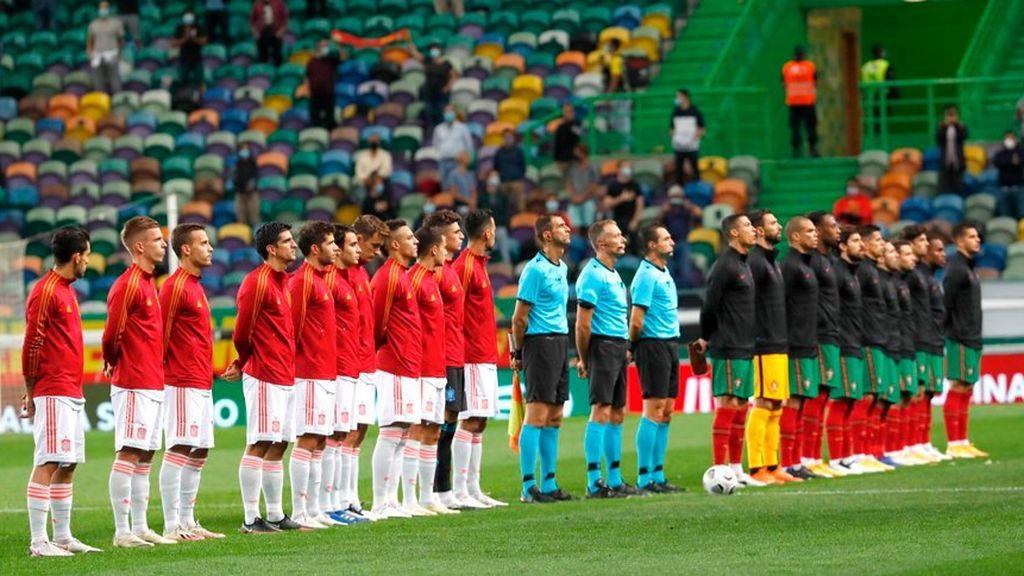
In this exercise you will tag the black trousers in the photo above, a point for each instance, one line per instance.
(269, 48)
(808, 116)
(217, 27)
(684, 159)
(321, 111)
(951, 179)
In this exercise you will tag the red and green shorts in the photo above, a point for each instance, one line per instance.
(732, 377)
(850, 379)
(804, 377)
(930, 372)
(963, 363)
(908, 376)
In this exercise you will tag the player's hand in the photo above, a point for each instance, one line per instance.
(108, 371)
(581, 368)
(232, 374)
(28, 407)
(629, 357)
(702, 345)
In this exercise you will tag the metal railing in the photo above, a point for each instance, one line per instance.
(990, 41)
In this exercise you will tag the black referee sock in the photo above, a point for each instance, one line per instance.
(443, 475)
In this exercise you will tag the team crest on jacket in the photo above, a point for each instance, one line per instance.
(141, 433)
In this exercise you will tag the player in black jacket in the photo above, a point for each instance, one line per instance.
(874, 337)
(890, 391)
(934, 346)
(900, 416)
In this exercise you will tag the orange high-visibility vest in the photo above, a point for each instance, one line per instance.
(799, 80)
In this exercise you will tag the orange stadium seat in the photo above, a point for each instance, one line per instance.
(63, 106)
(895, 185)
(886, 210)
(731, 191)
(908, 160)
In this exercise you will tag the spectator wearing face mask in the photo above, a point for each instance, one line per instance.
(451, 139)
(189, 41)
(950, 138)
(321, 74)
(583, 188)
(686, 129)
(855, 207)
(678, 214)
(373, 166)
(247, 200)
(510, 162)
(268, 21)
(624, 200)
(1010, 163)
(439, 76)
(461, 183)
(103, 45)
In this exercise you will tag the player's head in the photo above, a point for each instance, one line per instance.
(401, 242)
(274, 242)
(348, 246)
(917, 236)
(372, 234)
(71, 248)
(431, 246)
(657, 242)
(738, 231)
(851, 244)
(801, 234)
(828, 228)
(191, 244)
(906, 254)
(551, 229)
(143, 239)
(450, 224)
(967, 239)
(766, 225)
(605, 237)
(890, 257)
(936, 255)
(874, 244)
(316, 240)
(480, 227)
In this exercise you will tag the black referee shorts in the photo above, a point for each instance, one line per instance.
(657, 362)
(606, 362)
(455, 389)
(546, 368)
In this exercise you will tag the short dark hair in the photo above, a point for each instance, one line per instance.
(313, 234)
(442, 218)
(428, 237)
(545, 223)
(729, 223)
(367, 225)
(867, 230)
(757, 216)
(340, 230)
(684, 92)
(793, 224)
(267, 235)
(817, 217)
(846, 231)
(951, 108)
(938, 234)
(912, 231)
(478, 222)
(182, 234)
(649, 234)
(900, 244)
(597, 229)
(134, 226)
(961, 229)
(392, 226)
(67, 242)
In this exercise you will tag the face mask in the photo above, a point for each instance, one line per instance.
(449, 116)
(494, 181)
(679, 102)
(852, 191)
(428, 208)
(379, 188)
(675, 201)
(509, 141)
(244, 153)
(188, 19)
(1010, 143)
(435, 52)
(626, 172)
(104, 12)
(325, 51)
(551, 205)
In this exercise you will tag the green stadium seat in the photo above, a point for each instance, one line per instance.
(20, 130)
(71, 216)
(175, 167)
(159, 146)
(104, 241)
(315, 139)
(39, 220)
(98, 148)
(209, 166)
(303, 163)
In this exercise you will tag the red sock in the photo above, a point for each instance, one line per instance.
(926, 412)
(893, 422)
(907, 426)
(951, 415)
(835, 422)
(875, 420)
(787, 436)
(720, 429)
(859, 426)
(737, 432)
(965, 414)
(811, 421)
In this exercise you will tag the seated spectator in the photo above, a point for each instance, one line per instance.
(247, 199)
(373, 166)
(855, 207)
(461, 183)
(451, 138)
(189, 41)
(510, 162)
(624, 202)
(583, 188)
(494, 199)
(678, 214)
(1009, 161)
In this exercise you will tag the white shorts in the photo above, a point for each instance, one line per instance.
(188, 417)
(366, 395)
(432, 405)
(314, 407)
(344, 403)
(481, 391)
(59, 430)
(398, 399)
(137, 418)
(268, 409)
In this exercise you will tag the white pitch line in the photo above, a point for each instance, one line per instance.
(869, 492)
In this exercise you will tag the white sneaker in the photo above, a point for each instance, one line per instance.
(414, 508)
(387, 512)
(747, 480)
(307, 522)
(468, 502)
(360, 511)
(180, 534)
(448, 499)
(491, 502)
(852, 467)
(838, 469)
(198, 529)
(129, 540)
(76, 546)
(45, 548)
(328, 521)
(439, 509)
(936, 453)
(153, 538)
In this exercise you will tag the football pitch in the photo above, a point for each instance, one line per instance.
(964, 517)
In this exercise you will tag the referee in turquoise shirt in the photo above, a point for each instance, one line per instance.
(540, 331)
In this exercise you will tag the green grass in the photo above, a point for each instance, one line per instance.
(960, 517)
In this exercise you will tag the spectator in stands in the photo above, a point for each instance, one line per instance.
(321, 73)
(218, 23)
(128, 13)
(247, 200)
(373, 166)
(855, 207)
(268, 20)
(510, 162)
(378, 202)
(492, 198)
(686, 129)
(46, 14)
(1010, 162)
(103, 46)
(583, 188)
(451, 138)
(612, 66)
(567, 137)
(624, 200)
(799, 77)
(461, 182)
(677, 214)
(950, 138)
(316, 8)
(189, 41)
(455, 6)
(439, 76)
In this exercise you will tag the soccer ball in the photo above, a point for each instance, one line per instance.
(720, 481)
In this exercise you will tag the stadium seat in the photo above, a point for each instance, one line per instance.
(715, 213)
(975, 157)
(886, 210)
(1001, 231)
(948, 207)
(980, 207)
(895, 185)
(873, 163)
(713, 169)
(918, 210)
(906, 160)
(926, 184)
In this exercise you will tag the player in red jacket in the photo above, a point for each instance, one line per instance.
(51, 362)
(133, 356)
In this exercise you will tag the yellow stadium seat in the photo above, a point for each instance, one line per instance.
(975, 156)
(613, 33)
(528, 87)
(706, 236)
(97, 264)
(235, 230)
(659, 21)
(95, 105)
(489, 50)
(494, 136)
(648, 45)
(513, 110)
(278, 102)
(713, 168)
(347, 213)
(80, 128)
(302, 57)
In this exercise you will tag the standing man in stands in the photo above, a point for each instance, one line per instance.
(268, 21)
(103, 46)
(950, 138)
(686, 128)
(799, 78)
(321, 73)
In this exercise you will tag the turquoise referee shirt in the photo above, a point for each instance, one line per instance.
(654, 290)
(601, 288)
(545, 285)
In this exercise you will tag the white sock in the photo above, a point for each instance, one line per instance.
(410, 470)
(38, 509)
(170, 487)
(273, 489)
(190, 475)
(395, 479)
(326, 494)
(473, 478)
(120, 486)
(388, 440)
(140, 498)
(737, 468)
(352, 494)
(298, 473)
(427, 470)
(60, 511)
(462, 453)
(313, 485)
(342, 467)
(250, 477)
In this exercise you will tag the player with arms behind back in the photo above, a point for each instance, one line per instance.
(52, 361)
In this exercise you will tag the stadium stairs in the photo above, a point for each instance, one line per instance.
(793, 187)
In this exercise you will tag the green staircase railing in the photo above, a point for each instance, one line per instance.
(996, 31)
